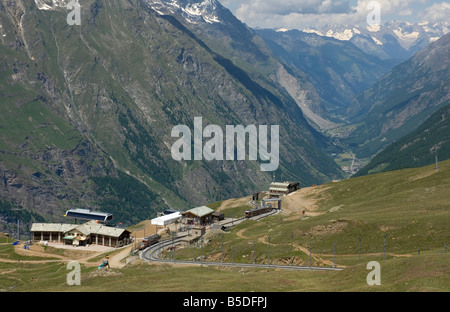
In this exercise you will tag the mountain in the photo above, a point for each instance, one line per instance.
(417, 149)
(223, 33)
(338, 69)
(203, 11)
(88, 111)
(401, 100)
(393, 40)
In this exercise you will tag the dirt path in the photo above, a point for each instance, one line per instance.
(316, 257)
(241, 234)
(80, 256)
(264, 240)
(115, 261)
(305, 199)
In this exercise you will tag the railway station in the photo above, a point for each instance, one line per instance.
(85, 234)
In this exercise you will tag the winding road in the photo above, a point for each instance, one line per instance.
(151, 254)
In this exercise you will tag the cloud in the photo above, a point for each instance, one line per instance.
(287, 7)
(317, 13)
(438, 12)
(407, 12)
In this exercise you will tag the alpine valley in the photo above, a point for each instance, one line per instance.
(88, 110)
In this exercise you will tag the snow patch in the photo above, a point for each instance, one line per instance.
(205, 11)
(411, 36)
(376, 41)
(373, 28)
(345, 35)
(313, 31)
(48, 5)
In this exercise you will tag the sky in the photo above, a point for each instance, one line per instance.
(301, 14)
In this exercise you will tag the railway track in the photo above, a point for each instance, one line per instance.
(151, 254)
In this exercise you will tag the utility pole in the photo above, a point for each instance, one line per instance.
(232, 254)
(292, 239)
(222, 250)
(434, 150)
(173, 242)
(201, 249)
(18, 222)
(359, 256)
(254, 252)
(310, 248)
(437, 164)
(334, 254)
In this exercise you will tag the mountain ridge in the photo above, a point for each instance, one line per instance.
(428, 143)
(115, 86)
(402, 99)
(391, 40)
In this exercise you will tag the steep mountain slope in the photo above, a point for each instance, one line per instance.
(224, 34)
(89, 112)
(338, 69)
(416, 149)
(48, 161)
(401, 100)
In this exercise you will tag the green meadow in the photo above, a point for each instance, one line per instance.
(399, 219)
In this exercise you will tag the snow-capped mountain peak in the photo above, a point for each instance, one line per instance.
(405, 32)
(51, 4)
(194, 11)
(404, 37)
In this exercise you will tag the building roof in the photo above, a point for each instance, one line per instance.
(200, 211)
(80, 229)
(282, 186)
(88, 214)
(166, 219)
(52, 227)
(88, 228)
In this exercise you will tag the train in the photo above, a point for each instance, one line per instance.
(148, 241)
(257, 211)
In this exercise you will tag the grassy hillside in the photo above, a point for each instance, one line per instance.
(417, 148)
(410, 205)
